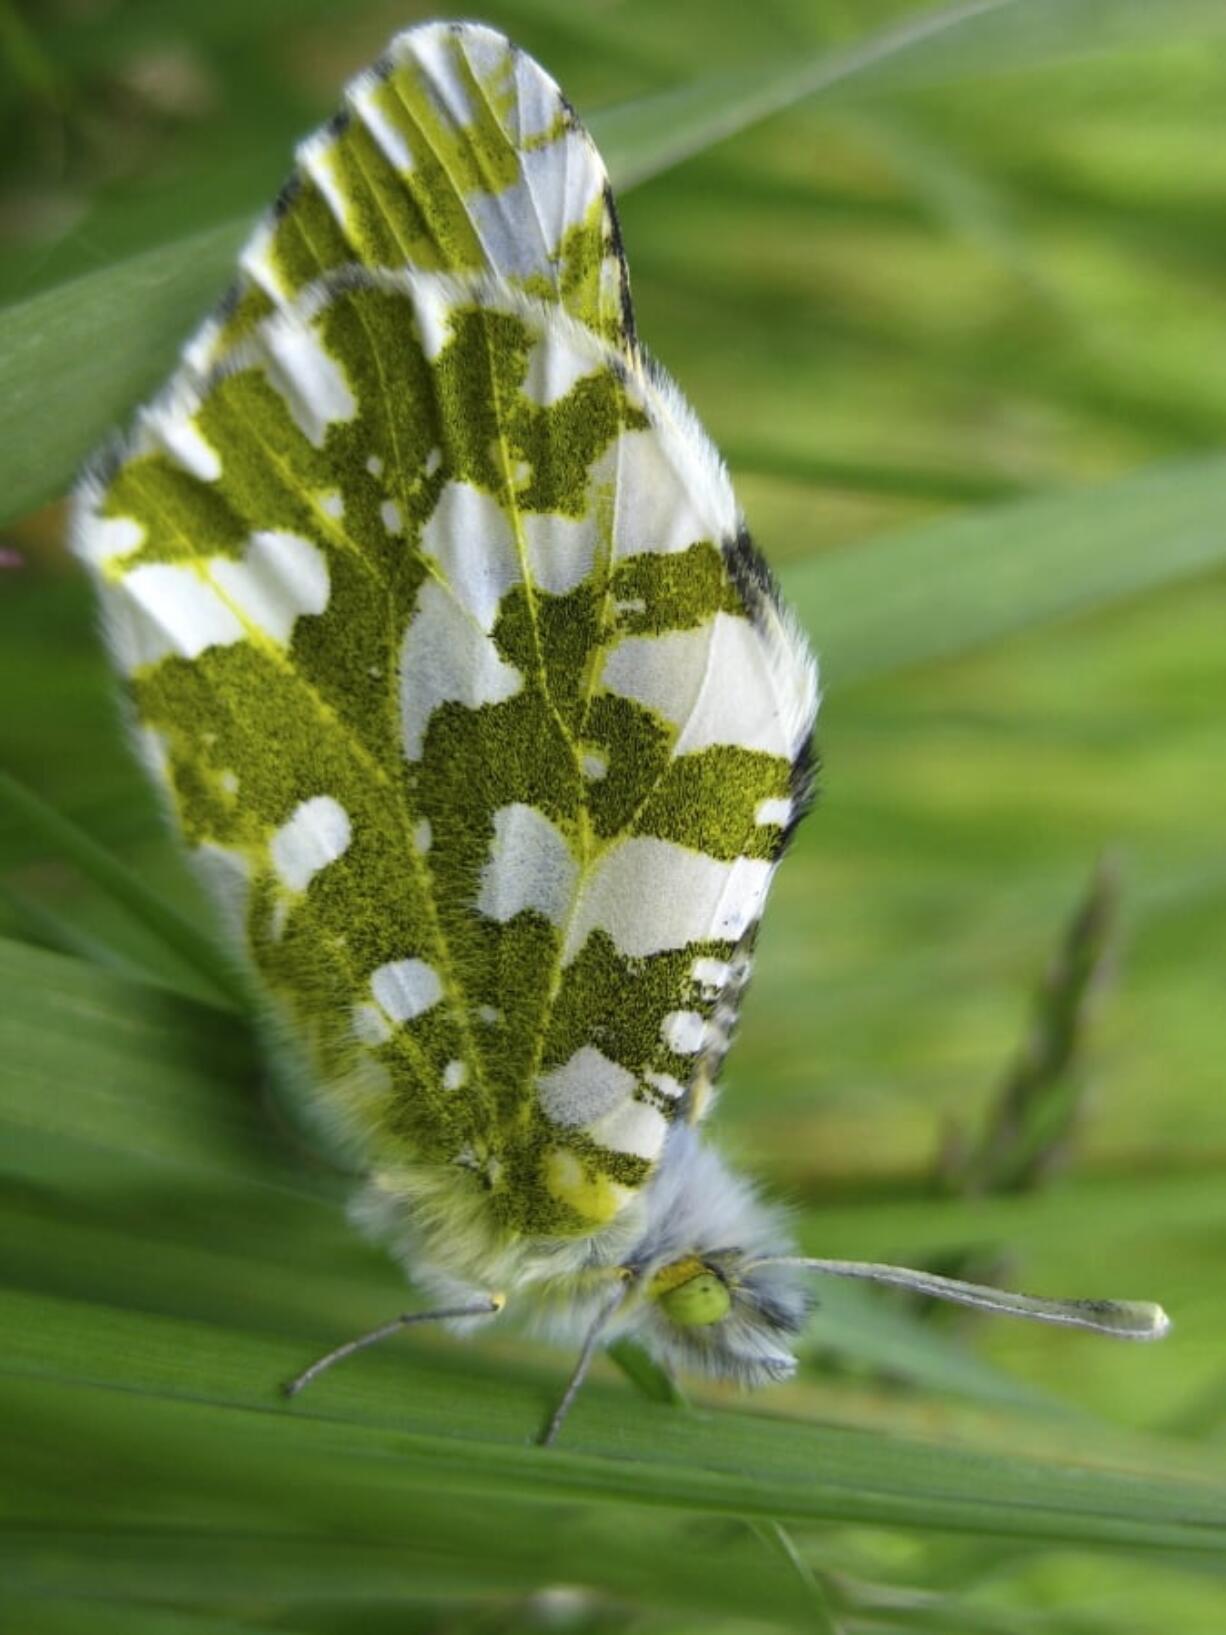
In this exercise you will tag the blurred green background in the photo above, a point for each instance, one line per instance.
(948, 290)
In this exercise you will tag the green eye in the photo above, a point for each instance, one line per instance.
(700, 1300)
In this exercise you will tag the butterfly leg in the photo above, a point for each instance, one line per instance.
(488, 1308)
(590, 1342)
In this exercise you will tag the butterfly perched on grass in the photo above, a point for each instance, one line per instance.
(481, 716)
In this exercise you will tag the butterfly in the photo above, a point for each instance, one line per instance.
(482, 718)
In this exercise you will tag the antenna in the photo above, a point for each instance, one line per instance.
(1123, 1319)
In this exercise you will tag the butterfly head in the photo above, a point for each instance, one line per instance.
(710, 1291)
(723, 1313)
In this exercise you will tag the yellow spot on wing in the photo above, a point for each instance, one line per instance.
(588, 1193)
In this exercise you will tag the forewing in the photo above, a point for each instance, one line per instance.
(456, 153)
(477, 712)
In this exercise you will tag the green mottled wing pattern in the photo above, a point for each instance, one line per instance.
(454, 153)
(477, 711)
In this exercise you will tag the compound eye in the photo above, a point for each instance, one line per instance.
(691, 1294)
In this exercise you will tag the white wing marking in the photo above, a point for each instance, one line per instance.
(529, 866)
(446, 657)
(316, 833)
(312, 383)
(469, 537)
(164, 608)
(405, 988)
(651, 895)
(585, 1088)
(709, 682)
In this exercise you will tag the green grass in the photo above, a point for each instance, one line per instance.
(949, 296)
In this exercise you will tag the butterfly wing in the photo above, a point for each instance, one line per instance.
(454, 153)
(477, 711)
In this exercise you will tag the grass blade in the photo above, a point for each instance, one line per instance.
(645, 1374)
(105, 870)
(37, 923)
(781, 1544)
(645, 138)
(207, 1395)
(74, 359)
(1039, 1104)
(958, 583)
